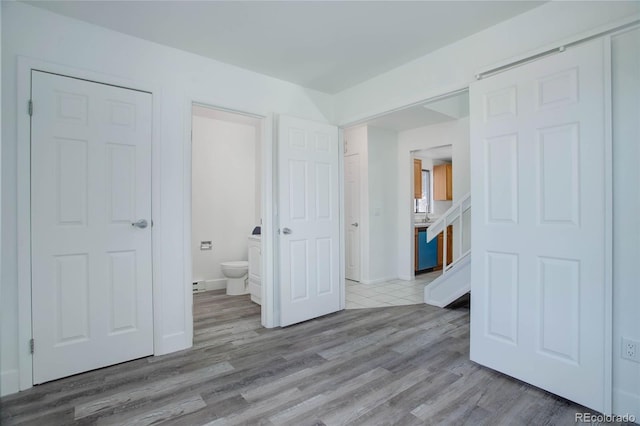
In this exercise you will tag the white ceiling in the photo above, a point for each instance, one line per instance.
(230, 117)
(323, 45)
(446, 109)
(444, 153)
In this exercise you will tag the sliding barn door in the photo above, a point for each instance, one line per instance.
(538, 285)
(309, 216)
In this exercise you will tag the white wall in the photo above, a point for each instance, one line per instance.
(626, 222)
(178, 77)
(223, 193)
(455, 133)
(383, 209)
(455, 65)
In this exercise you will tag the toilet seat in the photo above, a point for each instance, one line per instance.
(236, 264)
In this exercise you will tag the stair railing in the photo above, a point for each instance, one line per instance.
(455, 213)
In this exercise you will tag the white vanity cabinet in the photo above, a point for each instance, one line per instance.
(255, 263)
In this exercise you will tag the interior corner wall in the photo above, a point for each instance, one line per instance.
(626, 222)
(454, 66)
(179, 78)
(461, 160)
(383, 175)
(455, 133)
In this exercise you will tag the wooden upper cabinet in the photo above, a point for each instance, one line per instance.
(417, 178)
(442, 182)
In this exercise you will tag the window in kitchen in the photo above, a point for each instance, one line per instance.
(423, 205)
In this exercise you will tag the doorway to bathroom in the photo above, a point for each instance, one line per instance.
(226, 201)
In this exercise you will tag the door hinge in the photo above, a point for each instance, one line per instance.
(30, 107)
(32, 345)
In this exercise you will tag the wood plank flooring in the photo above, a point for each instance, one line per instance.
(405, 365)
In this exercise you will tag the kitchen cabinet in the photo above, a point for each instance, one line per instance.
(426, 253)
(440, 239)
(417, 178)
(442, 182)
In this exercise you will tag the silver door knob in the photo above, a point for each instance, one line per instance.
(355, 224)
(142, 223)
(286, 231)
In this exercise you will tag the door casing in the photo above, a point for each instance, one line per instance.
(270, 306)
(25, 67)
(356, 275)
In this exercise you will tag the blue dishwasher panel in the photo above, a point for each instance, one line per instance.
(427, 252)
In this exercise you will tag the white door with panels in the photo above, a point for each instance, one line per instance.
(309, 217)
(538, 175)
(90, 225)
(352, 216)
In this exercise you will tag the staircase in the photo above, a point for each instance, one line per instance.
(455, 280)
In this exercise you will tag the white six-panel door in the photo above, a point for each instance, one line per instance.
(309, 217)
(538, 255)
(352, 216)
(91, 269)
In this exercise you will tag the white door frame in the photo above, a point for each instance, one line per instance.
(270, 309)
(25, 66)
(346, 233)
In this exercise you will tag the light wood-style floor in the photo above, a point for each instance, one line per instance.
(405, 365)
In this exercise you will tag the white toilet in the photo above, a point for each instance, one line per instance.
(236, 273)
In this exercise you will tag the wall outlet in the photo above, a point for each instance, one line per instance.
(630, 349)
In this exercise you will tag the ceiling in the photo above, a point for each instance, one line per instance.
(444, 153)
(230, 117)
(324, 45)
(446, 109)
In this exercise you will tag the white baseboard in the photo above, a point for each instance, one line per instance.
(208, 285)
(406, 278)
(9, 382)
(626, 403)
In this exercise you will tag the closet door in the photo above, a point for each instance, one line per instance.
(91, 225)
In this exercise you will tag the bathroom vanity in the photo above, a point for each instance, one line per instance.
(255, 264)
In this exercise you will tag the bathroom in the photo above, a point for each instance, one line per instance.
(226, 202)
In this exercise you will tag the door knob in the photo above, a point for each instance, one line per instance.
(355, 224)
(286, 231)
(142, 223)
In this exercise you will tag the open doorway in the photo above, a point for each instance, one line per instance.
(433, 188)
(390, 198)
(226, 202)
